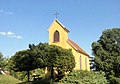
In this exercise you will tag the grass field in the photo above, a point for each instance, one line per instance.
(4, 79)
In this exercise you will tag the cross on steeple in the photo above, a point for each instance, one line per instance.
(56, 14)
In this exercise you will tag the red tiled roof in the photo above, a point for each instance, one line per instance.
(77, 48)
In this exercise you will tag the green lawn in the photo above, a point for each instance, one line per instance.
(4, 79)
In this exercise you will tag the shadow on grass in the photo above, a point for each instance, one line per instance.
(41, 81)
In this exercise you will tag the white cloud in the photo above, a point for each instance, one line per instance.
(19, 37)
(10, 34)
(2, 33)
(6, 12)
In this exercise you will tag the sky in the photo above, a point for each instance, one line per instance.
(24, 22)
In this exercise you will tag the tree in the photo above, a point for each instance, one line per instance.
(25, 60)
(55, 56)
(60, 58)
(107, 52)
(84, 77)
(2, 62)
(41, 56)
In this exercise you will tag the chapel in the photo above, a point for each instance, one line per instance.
(58, 35)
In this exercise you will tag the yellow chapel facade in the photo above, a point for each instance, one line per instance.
(58, 35)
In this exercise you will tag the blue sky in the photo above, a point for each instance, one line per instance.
(27, 21)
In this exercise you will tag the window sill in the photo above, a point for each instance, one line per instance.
(56, 41)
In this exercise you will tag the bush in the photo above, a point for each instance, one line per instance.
(23, 75)
(114, 80)
(84, 77)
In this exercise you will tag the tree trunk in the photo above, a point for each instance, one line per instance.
(52, 72)
(28, 73)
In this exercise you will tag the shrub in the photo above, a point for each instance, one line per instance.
(23, 76)
(114, 80)
(84, 77)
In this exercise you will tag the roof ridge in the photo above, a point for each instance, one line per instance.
(62, 25)
(59, 22)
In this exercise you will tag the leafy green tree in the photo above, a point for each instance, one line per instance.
(25, 60)
(60, 58)
(41, 52)
(107, 52)
(2, 61)
(84, 77)
(54, 56)
(41, 56)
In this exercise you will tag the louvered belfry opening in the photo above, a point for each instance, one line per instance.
(56, 36)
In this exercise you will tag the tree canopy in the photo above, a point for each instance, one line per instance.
(2, 63)
(24, 60)
(41, 56)
(55, 56)
(107, 52)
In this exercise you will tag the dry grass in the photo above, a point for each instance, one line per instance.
(5, 79)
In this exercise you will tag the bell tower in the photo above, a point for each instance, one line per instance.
(58, 34)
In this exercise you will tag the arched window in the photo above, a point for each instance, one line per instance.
(80, 62)
(56, 36)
